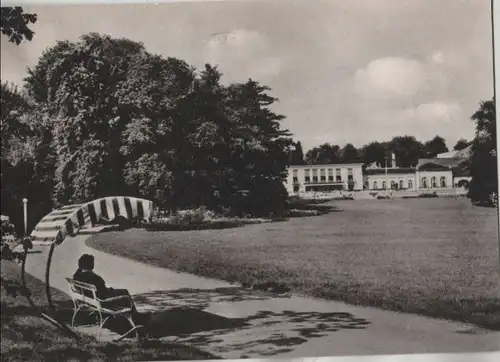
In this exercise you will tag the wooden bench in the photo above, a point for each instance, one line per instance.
(85, 296)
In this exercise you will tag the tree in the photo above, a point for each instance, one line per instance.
(375, 152)
(26, 158)
(435, 146)
(297, 157)
(350, 153)
(14, 24)
(323, 154)
(483, 162)
(461, 144)
(260, 155)
(407, 150)
(77, 84)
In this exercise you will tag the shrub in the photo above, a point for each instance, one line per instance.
(428, 195)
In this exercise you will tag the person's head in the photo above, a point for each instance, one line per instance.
(86, 262)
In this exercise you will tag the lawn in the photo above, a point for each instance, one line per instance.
(27, 337)
(437, 257)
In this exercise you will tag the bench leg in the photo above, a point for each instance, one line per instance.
(76, 308)
(101, 323)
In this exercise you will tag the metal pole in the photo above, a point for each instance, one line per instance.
(386, 177)
(25, 209)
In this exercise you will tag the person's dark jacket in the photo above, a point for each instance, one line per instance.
(90, 277)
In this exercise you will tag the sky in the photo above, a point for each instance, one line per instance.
(344, 71)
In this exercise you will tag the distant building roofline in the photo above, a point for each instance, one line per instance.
(328, 165)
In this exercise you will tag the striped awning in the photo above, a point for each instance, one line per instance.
(67, 220)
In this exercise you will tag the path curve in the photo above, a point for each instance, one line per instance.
(281, 327)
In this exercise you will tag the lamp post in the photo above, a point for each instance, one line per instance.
(386, 177)
(25, 209)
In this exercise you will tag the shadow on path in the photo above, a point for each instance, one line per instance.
(179, 316)
(264, 332)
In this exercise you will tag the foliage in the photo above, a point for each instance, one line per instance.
(350, 154)
(407, 149)
(483, 162)
(435, 146)
(297, 155)
(14, 24)
(375, 152)
(102, 116)
(461, 144)
(323, 154)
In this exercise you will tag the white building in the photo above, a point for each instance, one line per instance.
(305, 178)
(430, 174)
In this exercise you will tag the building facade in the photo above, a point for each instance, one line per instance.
(395, 179)
(430, 174)
(324, 178)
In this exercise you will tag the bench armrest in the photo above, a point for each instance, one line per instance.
(120, 297)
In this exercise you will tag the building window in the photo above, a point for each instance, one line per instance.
(410, 184)
(375, 185)
(322, 175)
(443, 182)
(295, 176)
(307, 176)
(434, 182)
(315, 175)
(424, 183)
(330, 174)
(384, 185)
(401, 185)
(349, 171)
(296, 188)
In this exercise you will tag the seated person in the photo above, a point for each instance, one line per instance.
(85, 274)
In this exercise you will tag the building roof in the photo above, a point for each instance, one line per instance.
(443, 162)
(390, 171)
(465, 153)
(332, 165)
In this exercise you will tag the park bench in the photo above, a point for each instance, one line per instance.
(84, 295)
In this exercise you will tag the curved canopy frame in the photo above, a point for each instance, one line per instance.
(68, 220)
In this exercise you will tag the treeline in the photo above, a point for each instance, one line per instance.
(102, 116)
(406, 148)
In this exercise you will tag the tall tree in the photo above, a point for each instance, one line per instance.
(435, 146)
(14, 24)
(78, 84)
(483, 162)
(375, 152)
(260, 156)
(461, 144)
(323, 154)
(407, 150)
(350, 153)
(297, 154)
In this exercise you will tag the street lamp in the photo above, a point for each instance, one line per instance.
(25, 209)
(386, 177)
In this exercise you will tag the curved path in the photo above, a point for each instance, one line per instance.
(233, 322)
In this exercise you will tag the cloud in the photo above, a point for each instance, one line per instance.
(243, 54)
(438, 58)
(430, 113)
(391, 78)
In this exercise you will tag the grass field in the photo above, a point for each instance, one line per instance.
(27, 337)
(437, 257)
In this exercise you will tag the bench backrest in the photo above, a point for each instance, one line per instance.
(83, 292)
